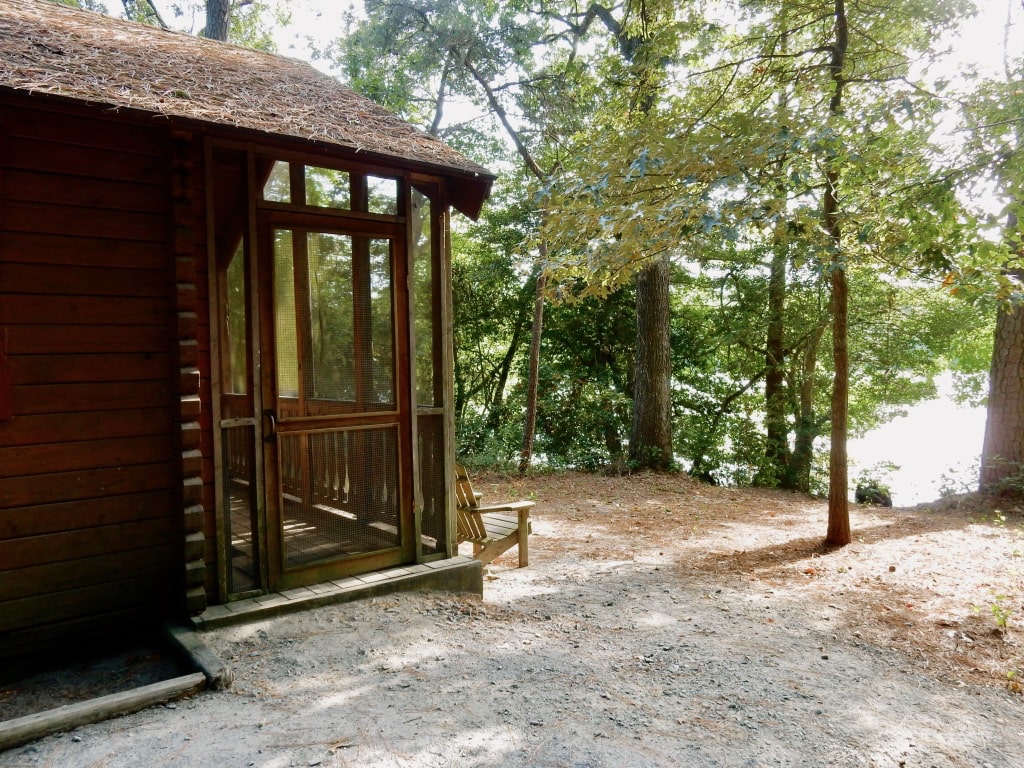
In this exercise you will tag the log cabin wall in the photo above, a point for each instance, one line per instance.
(100, 372)
(192, 300)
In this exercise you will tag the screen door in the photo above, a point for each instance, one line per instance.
(335, 432)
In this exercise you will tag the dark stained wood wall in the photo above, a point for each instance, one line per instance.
(194, 387)
(90, 512)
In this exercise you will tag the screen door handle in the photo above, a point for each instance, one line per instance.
(270, 434)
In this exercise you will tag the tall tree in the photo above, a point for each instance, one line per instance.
(218, 19)
(650, 441)
(709, 165)
(999, 129)
(838, 533)
(223, 19)
(642, 35)
(1002, 454)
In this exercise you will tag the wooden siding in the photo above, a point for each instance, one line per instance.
(91, 525)
(193, 360)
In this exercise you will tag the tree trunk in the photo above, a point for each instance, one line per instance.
(218, 17)
(1002, 454)
(775, 469)
(838, 533)
(798, 475)
(776, 457)
(533, 376)
(496, 409)
(650, 444)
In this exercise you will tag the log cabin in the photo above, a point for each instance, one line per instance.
(225, 328)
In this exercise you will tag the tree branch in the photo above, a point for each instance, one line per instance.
(131, 8)
(499, 110)
(435, 124)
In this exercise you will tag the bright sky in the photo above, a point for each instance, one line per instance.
(320, 20)
(936, 444)
(979, 42)
(982, 36)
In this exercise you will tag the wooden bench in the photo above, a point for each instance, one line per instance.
(491, 528)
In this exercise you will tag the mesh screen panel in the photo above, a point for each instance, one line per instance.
(328, 188)
(424, 300)
(240, 504)
(286, 340)
(334, 321)
(335, 345)
(432, 485)
(330, 374)
(340, 493)
(378, 317)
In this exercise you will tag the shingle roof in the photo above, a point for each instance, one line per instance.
(54, 49)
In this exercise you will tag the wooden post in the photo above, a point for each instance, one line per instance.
(185, 242)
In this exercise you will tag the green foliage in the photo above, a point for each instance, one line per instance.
(730, 171)
(586, 382)
(875, 479)
(493, 290)
(142, 11)
(715, 374)
(698, 131)
(722, 171)
(418, 57)
(901, 332)
(970, 352)
(581, 423)
(742, 150)
(1000, 610)
(253, 24)
(479, 444)
(1012, 480)
(987, 163)
(585, 376)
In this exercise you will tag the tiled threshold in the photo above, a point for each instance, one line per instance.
(458, 574)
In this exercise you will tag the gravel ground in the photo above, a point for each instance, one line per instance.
(660, 623)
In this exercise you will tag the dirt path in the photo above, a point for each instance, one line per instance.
(660, 623)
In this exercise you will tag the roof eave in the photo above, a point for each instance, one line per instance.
(467, 190)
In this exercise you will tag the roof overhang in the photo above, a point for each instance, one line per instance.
(63, 52)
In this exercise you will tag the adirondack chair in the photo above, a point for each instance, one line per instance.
(491, 528)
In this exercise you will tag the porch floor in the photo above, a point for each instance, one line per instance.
(457, 574)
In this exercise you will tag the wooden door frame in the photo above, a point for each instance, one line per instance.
(401, 417)
(396, 228)
(217, 320)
